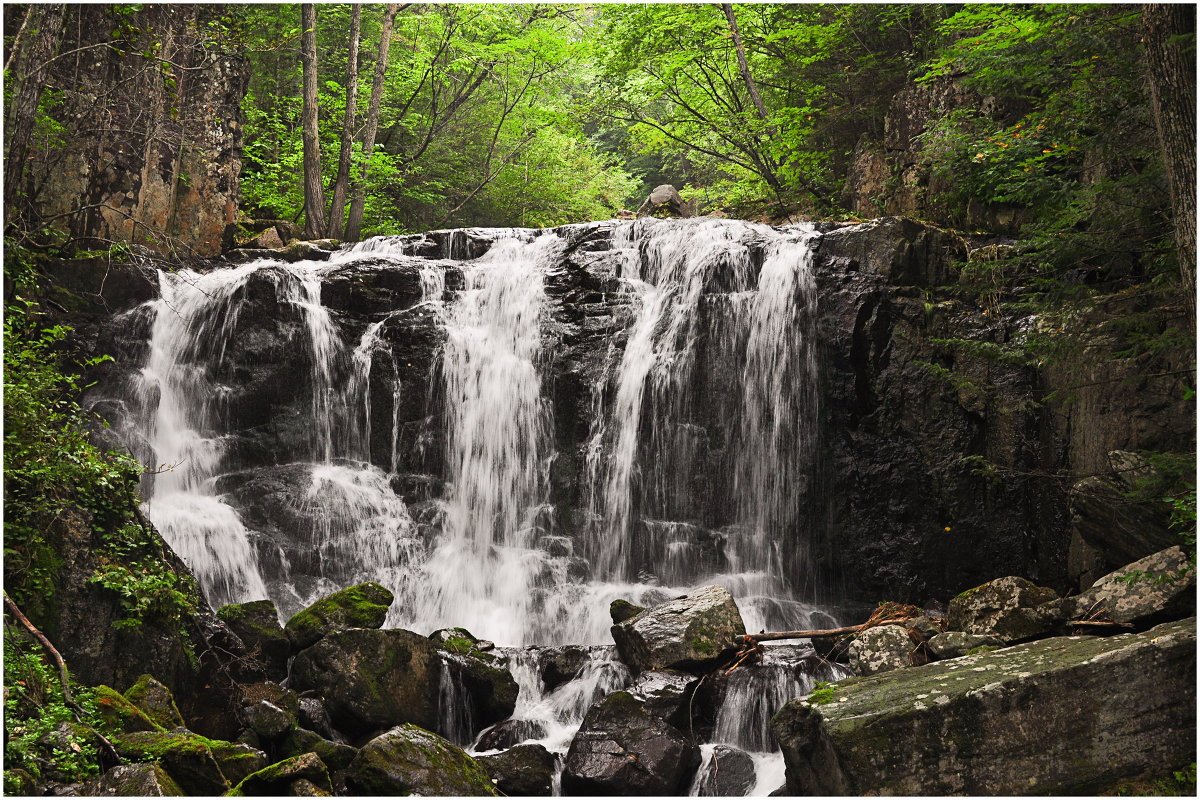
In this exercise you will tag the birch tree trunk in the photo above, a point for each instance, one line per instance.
(359, 187)
(337, 207)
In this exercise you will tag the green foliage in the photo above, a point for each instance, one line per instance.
(42, 734)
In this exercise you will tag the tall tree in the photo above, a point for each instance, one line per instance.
(36, 43)
(358, 190)
(314, 192)
(337, 208)
(1169, 34)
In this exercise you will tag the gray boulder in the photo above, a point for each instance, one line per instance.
(1158, 587)
(1066, 715)
(277, 779)
(665, 694)
(268, 720)
(523, 771)
(1011, 609)
(132, 780)
(664, 201)
(372, 680)
(728, 773)
(362, 606)
(691, 633)
(408, 760)
(622, 749)
(953, 644)
(881, 649)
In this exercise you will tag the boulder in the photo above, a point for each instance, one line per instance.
(952, 644)
(120, 714)
(277, 779)
(622, 749)
(456, 640)
(508, 733)
(1158, 587)
(303, 251)
(664, 201)
(409, 760)
(491, 690)
(691, 633)
(557, 665)
(268, 720)
(306, 788)
(156, 701)
(372, 680)
(273, 693)
(269, 239)
(257, 625)
(621, 610)
(1011, 609)
(132, 780)
(880, 649)
(315, 717)
(362, 606)
(200, 765)
(1037, 718)
(335, 755)
(523, 771)
(665, 694)
(727, 772)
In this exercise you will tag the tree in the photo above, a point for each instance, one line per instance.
(314, 192)
(358, 189)
(337, 208)
(1169, 34)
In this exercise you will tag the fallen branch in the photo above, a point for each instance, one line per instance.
(1100, 623)
(886, 614)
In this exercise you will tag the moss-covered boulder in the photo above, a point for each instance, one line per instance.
(1012, 609)
(120, 714)
(156, 701)
(622, 749)
(362, 606)
(410, 760)
(337, 756)
(523, 771)
(372, 680)
(691, 633)
(200, 765)
(257, 625)
(1064, 715)
(19, 783)
(133, 780)
(456, 640)
(277, 779)
(621, 610)
(1159, 587)
(268, 720)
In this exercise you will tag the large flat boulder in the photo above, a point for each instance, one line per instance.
(408, 760)
(1065, 715)
(690, 633)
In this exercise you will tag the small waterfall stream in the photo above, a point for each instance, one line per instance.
(434, 477)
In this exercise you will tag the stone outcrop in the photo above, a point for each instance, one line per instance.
(689, 633)
(1067, 715)
(408, 760)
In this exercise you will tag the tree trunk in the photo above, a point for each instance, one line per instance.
(42, 31)
(337, 208)
(358, 190)
(314, 193)
(744, 68)
(1169, 34)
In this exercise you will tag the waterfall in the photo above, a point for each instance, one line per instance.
(701, 307)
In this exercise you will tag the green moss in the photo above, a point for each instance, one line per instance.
(120, 714)
(983, 648)
(362, 606)
(156, 701)
(703, 646)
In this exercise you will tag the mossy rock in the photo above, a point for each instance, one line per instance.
(200, 765)
(691, 633)
(337, 756)
(156, 701)
(257, 625)
(278, 778)
(18, 782)
(408, 760)
(620, 610)
(133, 780)
(456, 640)
(118, 712)
(362, 606)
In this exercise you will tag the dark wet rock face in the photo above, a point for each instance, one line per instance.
(622, 749)
(728, 773)
(524, 771)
